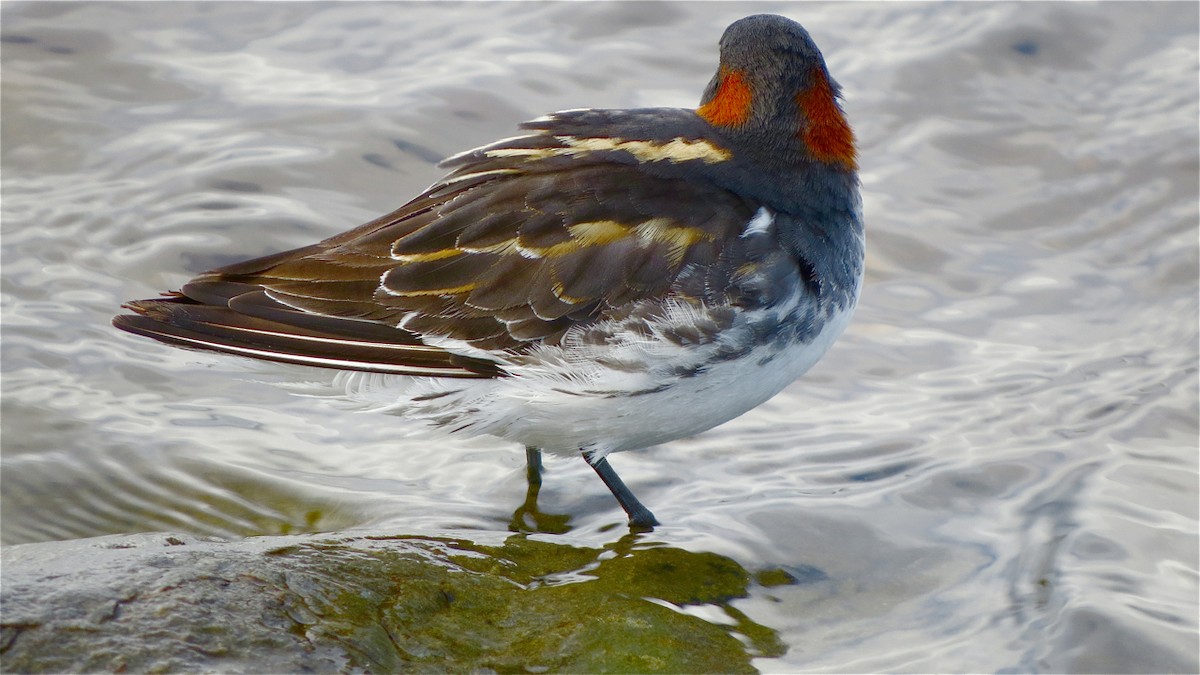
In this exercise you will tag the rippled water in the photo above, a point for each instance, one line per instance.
(994, 470)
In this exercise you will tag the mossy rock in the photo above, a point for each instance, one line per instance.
(168, 603)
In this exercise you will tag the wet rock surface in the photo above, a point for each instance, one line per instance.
(170, 602)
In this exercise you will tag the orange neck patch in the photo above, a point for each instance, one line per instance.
(827, 134)
(730, 107)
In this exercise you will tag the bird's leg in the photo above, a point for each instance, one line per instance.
(639, 516)
(533, 465)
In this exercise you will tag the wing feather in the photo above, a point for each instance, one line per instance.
(522, 241)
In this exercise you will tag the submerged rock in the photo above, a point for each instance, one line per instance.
(169, 602)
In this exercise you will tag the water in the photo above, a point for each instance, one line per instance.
(994, 470)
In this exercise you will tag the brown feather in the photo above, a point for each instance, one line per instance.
(511, 248)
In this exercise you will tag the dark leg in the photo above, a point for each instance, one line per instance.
(533, 465)
(639, 516)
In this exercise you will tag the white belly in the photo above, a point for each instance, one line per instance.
(563, 403)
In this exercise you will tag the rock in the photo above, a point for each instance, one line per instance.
(324, 603)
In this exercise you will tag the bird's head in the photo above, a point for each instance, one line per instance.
(773, 86)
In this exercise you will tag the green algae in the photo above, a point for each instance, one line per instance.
(527, 605)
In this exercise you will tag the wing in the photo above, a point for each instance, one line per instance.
(523, 240)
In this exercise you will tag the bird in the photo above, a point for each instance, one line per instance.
(605, 281)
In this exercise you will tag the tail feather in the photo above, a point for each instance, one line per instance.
(251, 324)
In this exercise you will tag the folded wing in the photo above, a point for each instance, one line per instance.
(522, 241)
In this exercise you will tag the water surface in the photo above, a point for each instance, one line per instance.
(994, 470)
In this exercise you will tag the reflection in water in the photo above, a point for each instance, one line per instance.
(96, 494)
(528, 517)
